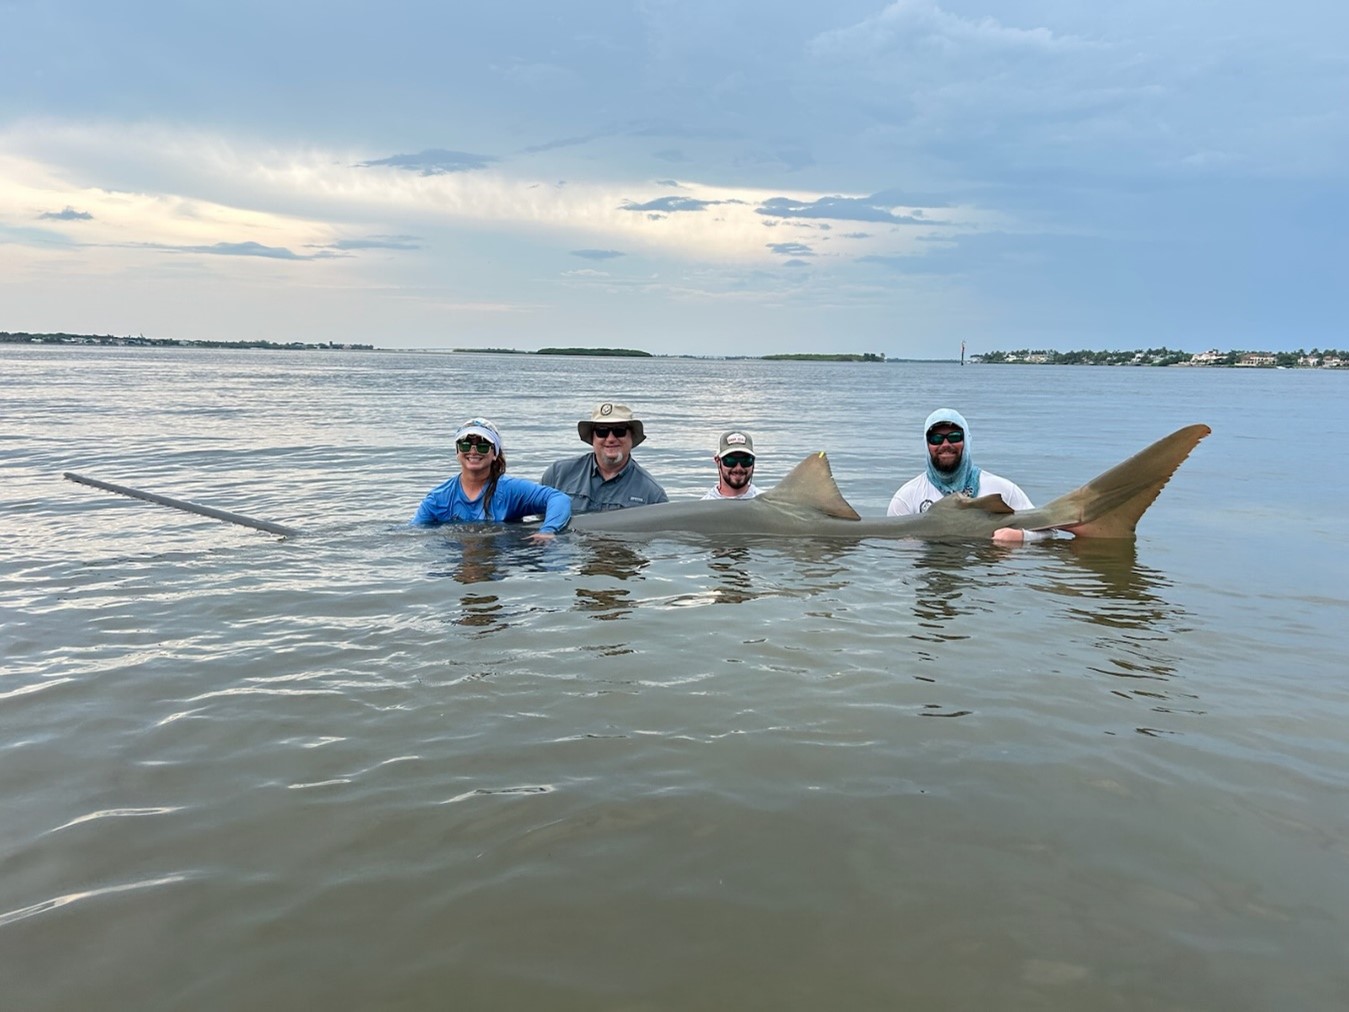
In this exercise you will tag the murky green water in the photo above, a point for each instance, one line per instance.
(381, 768)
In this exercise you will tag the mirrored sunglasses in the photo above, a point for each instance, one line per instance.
(937, 438)
(472, 443)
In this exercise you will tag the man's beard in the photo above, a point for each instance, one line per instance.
(951, 466)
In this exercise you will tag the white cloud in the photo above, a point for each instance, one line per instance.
(921, 29)
(212, 191)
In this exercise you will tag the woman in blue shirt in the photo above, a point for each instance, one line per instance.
(482, 491)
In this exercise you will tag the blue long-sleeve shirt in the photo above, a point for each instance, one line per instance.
(514, 499)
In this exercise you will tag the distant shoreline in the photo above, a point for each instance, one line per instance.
(141, 341)
(1328, 358)
(1317, 358)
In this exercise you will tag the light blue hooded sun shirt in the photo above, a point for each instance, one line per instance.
(965, 478)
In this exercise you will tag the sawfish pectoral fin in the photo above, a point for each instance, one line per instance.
(993, 503)
(1110, 504)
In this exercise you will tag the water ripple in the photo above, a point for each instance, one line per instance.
(56, 902)
(117, 813)
(491, 791)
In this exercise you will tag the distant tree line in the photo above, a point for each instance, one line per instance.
(825, 357)
(141, 341)
(606, 352)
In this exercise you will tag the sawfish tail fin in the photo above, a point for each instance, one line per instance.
(1110, 504)
(811, 483)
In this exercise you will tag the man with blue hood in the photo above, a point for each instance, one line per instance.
(951, 471)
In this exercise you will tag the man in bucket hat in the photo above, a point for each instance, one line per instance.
(735, 467)
(606, 478)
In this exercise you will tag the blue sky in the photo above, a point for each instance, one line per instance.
(683, 177)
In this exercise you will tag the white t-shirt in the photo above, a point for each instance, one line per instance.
(715, 492)
(917, 495)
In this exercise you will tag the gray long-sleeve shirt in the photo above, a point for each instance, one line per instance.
(580, 478)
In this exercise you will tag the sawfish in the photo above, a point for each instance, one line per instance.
(807, 503)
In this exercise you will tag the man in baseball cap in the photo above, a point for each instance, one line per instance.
(735, 467)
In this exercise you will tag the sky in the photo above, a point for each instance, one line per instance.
(705, 177)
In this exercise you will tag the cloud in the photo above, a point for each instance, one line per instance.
(979, 92)
(69, 214)
(35, 237)
(309, 202)
(840, 209)
(557, 145)
(669, 205)
(907, 198)
(791, 249)
(916, 39)
(433, 162)
(242, 249)
(402, 242)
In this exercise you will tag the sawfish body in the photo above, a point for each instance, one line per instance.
(808, 504)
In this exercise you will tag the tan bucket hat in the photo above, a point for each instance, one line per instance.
(610, 413)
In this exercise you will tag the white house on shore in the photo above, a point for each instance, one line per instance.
(1211, 357)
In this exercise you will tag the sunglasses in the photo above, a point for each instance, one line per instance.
(602, 431)
(470, 444)
(937, 438)
(731, 460)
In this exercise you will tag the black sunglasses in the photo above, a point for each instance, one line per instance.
(602, 431)
(731, 460)
(937, 438)
(472, 443)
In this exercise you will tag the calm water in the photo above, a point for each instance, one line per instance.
(381, 768)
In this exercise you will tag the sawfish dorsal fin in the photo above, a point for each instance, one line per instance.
(811, 483)
(991, 503)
